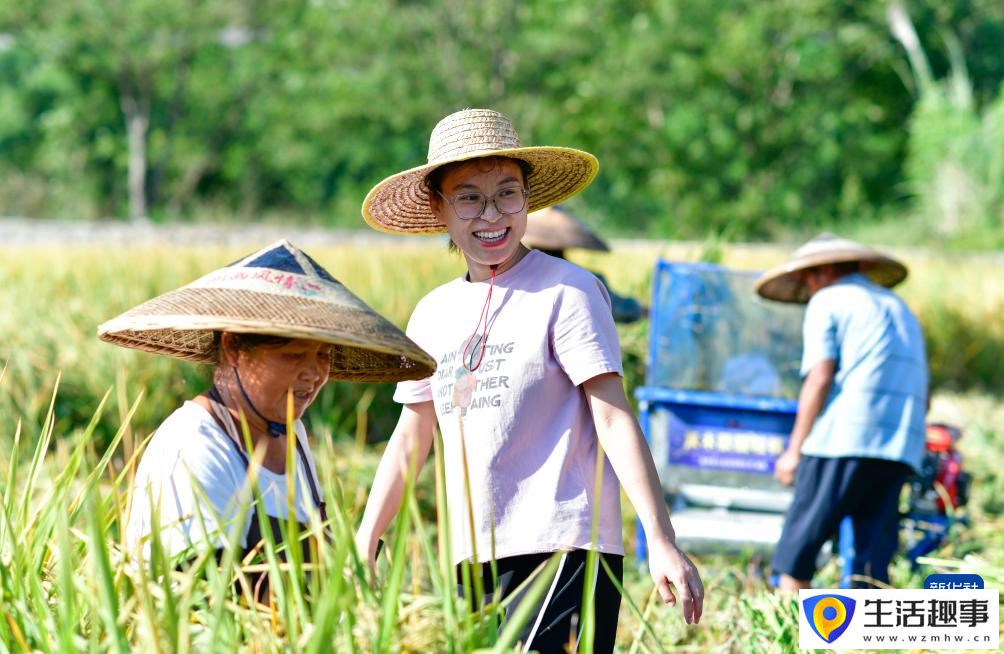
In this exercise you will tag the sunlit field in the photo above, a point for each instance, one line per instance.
(75, 412)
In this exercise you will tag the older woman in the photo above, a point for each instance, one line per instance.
(276, 326)
(528, 388)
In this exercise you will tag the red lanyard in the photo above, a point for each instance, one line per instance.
(484, 334)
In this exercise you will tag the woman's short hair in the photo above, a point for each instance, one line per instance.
(434, 180)
(247, 342)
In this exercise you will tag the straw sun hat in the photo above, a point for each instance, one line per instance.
(279, 291)
(784, 283)
(555, 228)
(400, 203)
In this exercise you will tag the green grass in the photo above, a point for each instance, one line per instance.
(66, 583)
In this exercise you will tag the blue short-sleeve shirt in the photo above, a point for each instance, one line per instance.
(877, 405)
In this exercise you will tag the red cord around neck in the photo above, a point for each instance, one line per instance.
(484, 334)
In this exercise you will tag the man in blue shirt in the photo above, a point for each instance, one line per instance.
(860, 426)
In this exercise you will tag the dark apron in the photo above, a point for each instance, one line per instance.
(259, 584)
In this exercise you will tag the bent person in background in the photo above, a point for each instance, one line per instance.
(554, 230)
(859, 431)
(276, 326)
(528, 388)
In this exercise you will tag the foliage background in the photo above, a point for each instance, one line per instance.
(752, 119)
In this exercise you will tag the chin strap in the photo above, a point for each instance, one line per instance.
(275, 429)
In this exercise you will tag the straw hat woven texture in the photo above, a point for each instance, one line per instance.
(279, 291)
(784, 283)
(400, 203)
(555, 228)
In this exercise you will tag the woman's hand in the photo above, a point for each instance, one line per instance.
(670, 568)
(366, 546)
(404, 455)
(631, 459)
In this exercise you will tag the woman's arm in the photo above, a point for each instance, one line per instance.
(412, 439)
(631, 459)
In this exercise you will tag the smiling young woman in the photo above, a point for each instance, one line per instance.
(528, 387)
(482, 204)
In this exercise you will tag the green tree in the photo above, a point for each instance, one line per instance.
(138, 56)
(752, 119)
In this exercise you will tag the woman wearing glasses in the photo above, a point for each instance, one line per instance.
(528, 387)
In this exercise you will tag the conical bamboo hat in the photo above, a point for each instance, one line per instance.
(279, 291)
(784, 282)
(556, 228)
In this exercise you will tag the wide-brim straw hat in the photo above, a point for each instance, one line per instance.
(556, 228)
(784, 282)
(400, 203)
(279, 291)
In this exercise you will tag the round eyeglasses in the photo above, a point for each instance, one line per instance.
(472, 204)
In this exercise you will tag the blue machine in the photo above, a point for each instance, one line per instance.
(719, 403)
(717, 408)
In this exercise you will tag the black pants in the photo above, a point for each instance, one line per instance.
(555, 622)
(827, 490)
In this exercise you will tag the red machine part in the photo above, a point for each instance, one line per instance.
(940, 442)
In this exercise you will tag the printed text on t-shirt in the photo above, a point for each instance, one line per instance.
(456, 387)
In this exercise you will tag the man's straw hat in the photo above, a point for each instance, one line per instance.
(555, 228)
(279, 291)
(400, 203)
(784, 283)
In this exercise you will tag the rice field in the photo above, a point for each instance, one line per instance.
(74, 413)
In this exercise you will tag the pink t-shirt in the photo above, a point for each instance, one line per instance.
(531, 442)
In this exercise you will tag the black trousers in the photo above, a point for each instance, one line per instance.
(827, 490)
(555, 623)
